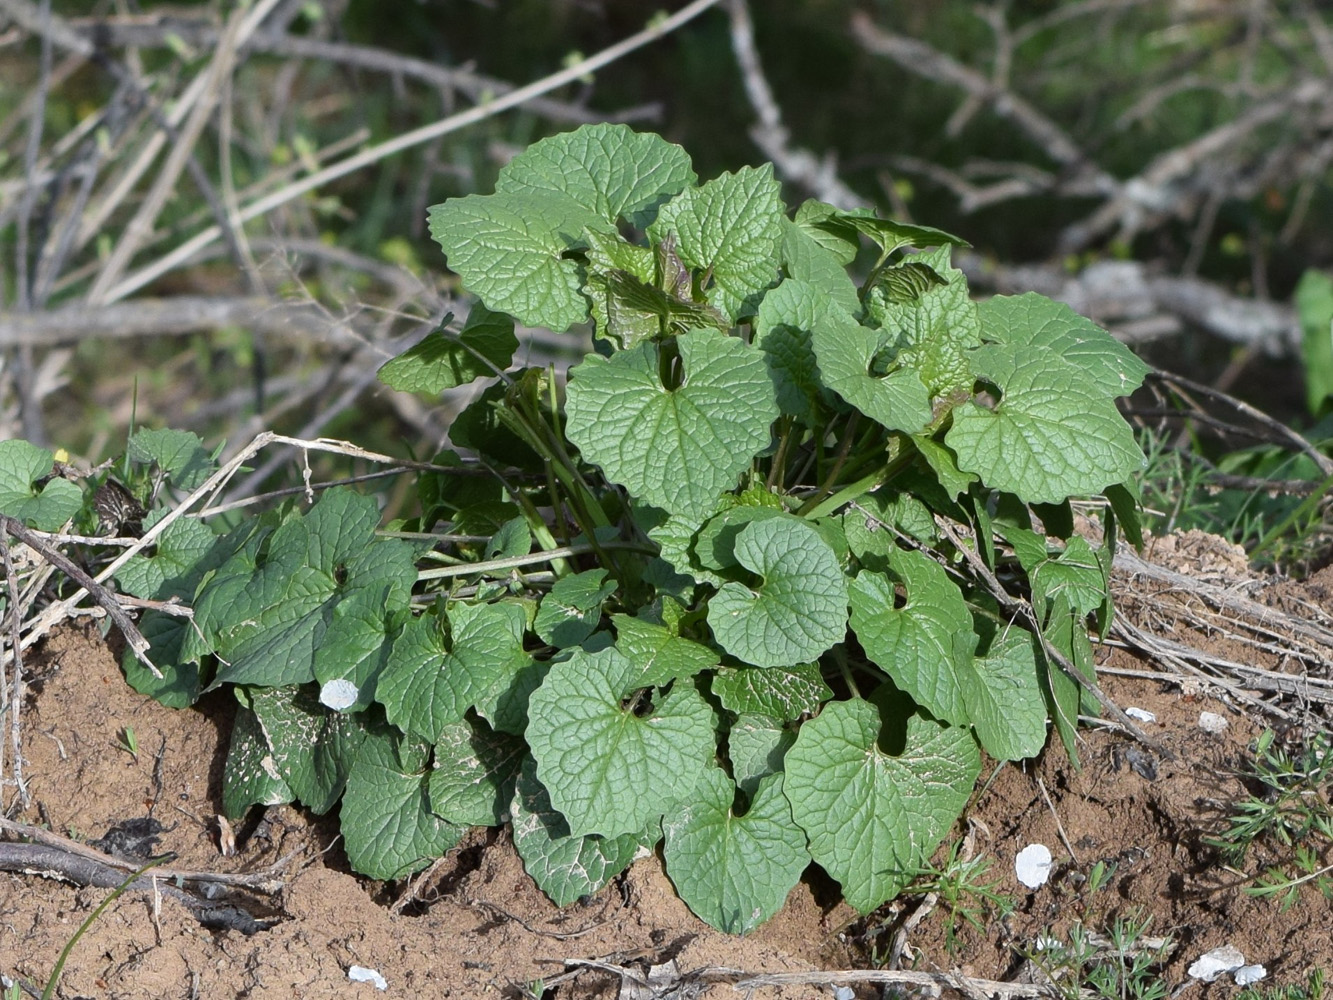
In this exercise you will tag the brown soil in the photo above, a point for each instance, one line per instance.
(480, 928)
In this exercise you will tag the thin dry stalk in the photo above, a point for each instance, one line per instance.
(185, 251)
(244, 23)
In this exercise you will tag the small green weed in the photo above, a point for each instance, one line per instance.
(963, 892)
(1260, 498)
(14, 990)
(1291, 808)
(1099, 877)
(1122, 964)
(1311, 989)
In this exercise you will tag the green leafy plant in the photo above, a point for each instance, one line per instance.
(1099, 877)
(1291, 808)
(1314, 304)
(791, 550)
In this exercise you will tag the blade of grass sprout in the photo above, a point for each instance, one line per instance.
(51, 983)
(1306, 506)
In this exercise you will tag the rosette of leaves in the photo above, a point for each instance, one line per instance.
(793, 550)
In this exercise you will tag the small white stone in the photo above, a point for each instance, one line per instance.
(360, 974)
(1217, 962)
(1142, 714)
(1247, 974)
(844, 993)
(1211, 722)
(338, 694)
(1033, 865)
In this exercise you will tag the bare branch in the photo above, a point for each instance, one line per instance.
(1161, 189)
(407, 140)
(918, 57)
(161, 317)
(133, 637)
(201, 33)
(1113, 290)
(244, 23)
(799, 166)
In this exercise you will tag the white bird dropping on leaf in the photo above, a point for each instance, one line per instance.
(338, 694)
(1033, 865)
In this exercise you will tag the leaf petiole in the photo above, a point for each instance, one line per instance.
(814, 507)
(532, 558)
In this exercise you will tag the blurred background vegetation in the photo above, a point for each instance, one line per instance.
(1162, 165)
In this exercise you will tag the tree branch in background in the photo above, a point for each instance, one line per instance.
(408, 140)
(82, 183)
(1229, 161)
(799, 166)
(160, 32)
(1128, 296)
(918, 57)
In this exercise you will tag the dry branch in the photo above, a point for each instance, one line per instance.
(1276, 139)
(407, 140)
(158, 32)
(800, 166)
(920, 58)
(133, 637)
(150, 317)
(1133, 295)
(50, 862)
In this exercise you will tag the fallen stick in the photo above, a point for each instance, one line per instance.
(53, 862)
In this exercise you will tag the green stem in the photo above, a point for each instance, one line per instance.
(831, 477)
(541, 533)
(864, 455)
(51, 983)
(1283, 887)
(549, 555)
(778, 467)
(557, 507)
(810, 459)
(847, 676)
(527, 421)
(431, 536)
(848, 493)
(587, 512)
(875, 271)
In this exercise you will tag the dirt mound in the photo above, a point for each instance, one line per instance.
(476, 926)
(479, 928)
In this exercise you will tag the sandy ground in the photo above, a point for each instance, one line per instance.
(477, 927)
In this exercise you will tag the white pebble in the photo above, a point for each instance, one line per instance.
(360, 974)
(1217, 962)
(1033, 865)
(1247, 974)
(1211, 722)
(1142, 714)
